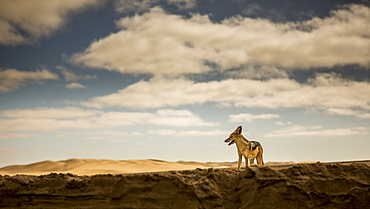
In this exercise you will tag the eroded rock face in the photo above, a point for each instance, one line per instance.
(319, 185)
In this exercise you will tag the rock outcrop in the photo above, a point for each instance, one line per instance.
(315, 185)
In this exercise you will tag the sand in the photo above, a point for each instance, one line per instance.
(215, 185)
(94, 167)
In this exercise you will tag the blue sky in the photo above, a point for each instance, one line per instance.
(171, 79)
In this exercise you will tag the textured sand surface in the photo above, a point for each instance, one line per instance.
(302, 185)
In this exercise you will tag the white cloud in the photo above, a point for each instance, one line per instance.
(69, 75)
(348, 112)
(168, 117)
(246, 117)
(106, 134)
(138, 6)
(163, 132)
(179, 118)
(48, 119)
(281, 123)
(12, 79)
(301, 131)
(47, 124)
(36, 18)
(134, 6)
(17, 135)
(162, 92)
(170, 132)
(252, 9)
(47, 113)
(181, 46)
(183, 4)
(75, 86)
(323, 91)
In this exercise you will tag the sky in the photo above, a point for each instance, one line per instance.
(171, 79)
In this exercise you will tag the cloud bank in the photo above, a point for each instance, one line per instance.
(323, 91)
(348, 112)
(304, 131)
(47, 119)
(12, 79)
(246, 117)
(24, 22)
(197, 45)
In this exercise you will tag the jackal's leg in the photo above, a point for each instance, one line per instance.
(251, 161)
(246, 162)
(239, 160)
(260, 161)
(259, 157)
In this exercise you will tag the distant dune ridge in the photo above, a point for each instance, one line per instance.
(95, 166)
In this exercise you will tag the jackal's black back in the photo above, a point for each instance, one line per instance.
(253, 145)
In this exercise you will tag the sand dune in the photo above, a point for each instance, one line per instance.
(279, 185)
(93, 167)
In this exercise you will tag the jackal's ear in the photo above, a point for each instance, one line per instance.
(238, 130)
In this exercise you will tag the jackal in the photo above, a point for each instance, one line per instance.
(249, 149)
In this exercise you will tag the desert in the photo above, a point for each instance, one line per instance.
(158, 104)
(91, 183)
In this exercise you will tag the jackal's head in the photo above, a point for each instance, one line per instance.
(234, 135)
